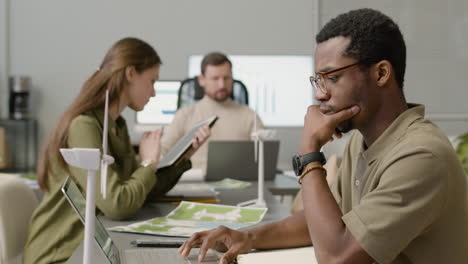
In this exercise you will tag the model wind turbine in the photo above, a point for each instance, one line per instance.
(90, 159)
(259, 136)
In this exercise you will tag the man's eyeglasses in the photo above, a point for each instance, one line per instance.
(318, 81)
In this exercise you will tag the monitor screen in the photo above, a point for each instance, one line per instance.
(161, 108)
(278, 86)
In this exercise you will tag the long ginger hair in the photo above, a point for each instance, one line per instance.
(109, 76)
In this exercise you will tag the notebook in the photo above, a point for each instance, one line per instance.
(108, 247)
(184, 144)
(236, 160)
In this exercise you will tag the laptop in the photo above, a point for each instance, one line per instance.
(108, 247)
(236, 160)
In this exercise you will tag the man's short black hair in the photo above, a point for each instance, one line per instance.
(215, 59)
(374, 37)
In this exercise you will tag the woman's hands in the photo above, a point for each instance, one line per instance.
(201, 136)
(150, 146)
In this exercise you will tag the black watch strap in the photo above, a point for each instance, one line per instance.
(311, 157)
(299, 162)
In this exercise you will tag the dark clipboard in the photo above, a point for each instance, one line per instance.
(184, 144)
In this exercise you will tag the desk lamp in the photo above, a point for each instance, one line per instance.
(89, 159)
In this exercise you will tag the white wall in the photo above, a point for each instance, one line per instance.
(4, 56)
(60, 43)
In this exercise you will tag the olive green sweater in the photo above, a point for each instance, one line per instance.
(56, 230)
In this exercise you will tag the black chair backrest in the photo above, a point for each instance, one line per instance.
(190, 92)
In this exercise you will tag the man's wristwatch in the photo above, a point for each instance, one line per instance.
(299, 162)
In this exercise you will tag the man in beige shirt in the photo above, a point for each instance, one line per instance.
(400, 195)
(236, 121)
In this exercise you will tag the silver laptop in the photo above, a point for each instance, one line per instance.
(132, 255)
(236, 160)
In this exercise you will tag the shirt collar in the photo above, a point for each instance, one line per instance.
(393, 133)
(99, 114)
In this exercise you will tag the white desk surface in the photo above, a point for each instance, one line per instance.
(276, 211)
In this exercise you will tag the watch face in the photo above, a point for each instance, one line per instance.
(296, 162)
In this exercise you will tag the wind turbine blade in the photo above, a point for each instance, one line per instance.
(104, 147)
(105, 126)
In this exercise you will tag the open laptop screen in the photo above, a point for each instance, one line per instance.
(78, 202)
(236, 160)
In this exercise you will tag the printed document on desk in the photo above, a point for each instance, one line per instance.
(190, 217)
(303, 255)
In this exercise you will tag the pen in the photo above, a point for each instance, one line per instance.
(157, 243)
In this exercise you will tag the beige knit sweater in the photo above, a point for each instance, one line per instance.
(236, 122)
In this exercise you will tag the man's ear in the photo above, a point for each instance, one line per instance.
(201, 80)
(383, 72)
(130, 73)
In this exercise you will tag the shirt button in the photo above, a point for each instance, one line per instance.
(356, 183)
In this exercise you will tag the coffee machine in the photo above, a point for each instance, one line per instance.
(19, 87)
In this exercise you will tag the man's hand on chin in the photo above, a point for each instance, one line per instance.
(319, 128)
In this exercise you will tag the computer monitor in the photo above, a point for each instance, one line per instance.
(279, 87)
(160, 110)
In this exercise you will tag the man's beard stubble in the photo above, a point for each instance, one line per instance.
(345, 126)
(221, 99)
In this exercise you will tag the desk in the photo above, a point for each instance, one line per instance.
(276, 211)
(284, 185)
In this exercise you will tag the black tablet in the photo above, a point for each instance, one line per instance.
(184, 144)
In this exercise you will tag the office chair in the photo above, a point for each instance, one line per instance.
(17, 203)
(190, 92)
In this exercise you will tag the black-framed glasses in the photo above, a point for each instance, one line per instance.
(318, 81)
